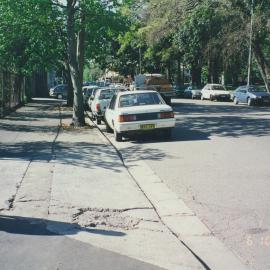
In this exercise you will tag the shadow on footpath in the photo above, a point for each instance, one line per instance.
(36, 226)
(81, 154)
(27, 128)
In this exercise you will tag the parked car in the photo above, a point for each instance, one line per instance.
(138, 111)
(178, 91)
(215, 92)
(252, 95)
(100, 102)
(91, 98)
(59, 91)
(87, 92)
(190, 92)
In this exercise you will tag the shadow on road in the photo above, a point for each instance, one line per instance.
(43, 227)
(223, 108)
(200, 122)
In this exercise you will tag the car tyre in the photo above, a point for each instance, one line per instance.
(202, 98)
(118, 136)
(108, 128)
(235, 101)
(211, 98)
(98, 121)
(167, 134)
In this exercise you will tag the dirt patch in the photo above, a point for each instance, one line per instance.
(70, 127)
(93, 217)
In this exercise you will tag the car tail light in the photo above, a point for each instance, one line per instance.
(127, 118)
(98, 107)
(163, 115)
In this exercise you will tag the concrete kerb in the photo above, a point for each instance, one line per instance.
(179, 218)
(107, 212)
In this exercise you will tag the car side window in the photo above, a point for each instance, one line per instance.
(112, 103)
(243, 91)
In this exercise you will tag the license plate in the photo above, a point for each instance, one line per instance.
(148, 126)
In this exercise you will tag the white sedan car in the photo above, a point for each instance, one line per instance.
(215, 92)
(138, 111)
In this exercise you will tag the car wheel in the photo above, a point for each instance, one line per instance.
(211, 98)
(249, 102)
(108, 128)
(118, 136)
(167, 133)
(59, 96)
(202, 98)
(98, 121)
(235, 101)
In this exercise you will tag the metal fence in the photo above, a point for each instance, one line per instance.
(12, 92)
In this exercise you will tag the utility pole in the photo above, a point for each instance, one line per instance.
(140, 60)
(250, 43)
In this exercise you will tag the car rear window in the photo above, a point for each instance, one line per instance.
(218, 87)
(106, 94)
(88, 91)
(139, 99)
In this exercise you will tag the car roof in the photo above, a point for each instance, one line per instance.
(136, 92)
(90, 87)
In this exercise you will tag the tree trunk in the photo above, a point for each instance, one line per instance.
(81, 46)
(262, 64)
(70, 95)
(78, 110)
(196, 75)
(169, 71)
(178, 77)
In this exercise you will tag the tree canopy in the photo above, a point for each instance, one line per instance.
(206, 37)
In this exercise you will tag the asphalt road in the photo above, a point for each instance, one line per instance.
(218, 162)
(26, 244)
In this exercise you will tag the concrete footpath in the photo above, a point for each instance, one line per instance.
(68, 202)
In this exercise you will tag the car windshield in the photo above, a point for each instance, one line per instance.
(106, 94)
(139, 99)
(257, 89)
(218, 87)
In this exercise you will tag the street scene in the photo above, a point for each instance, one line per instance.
(134, 135)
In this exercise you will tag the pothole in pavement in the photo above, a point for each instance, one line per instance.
(112, 218)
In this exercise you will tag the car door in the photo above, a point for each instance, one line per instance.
(94, 102)
(237, 94)
(110, 112)
(243, 95)
(208, 91)
(204, 91)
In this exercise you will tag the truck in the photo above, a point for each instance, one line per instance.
(155, 82)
